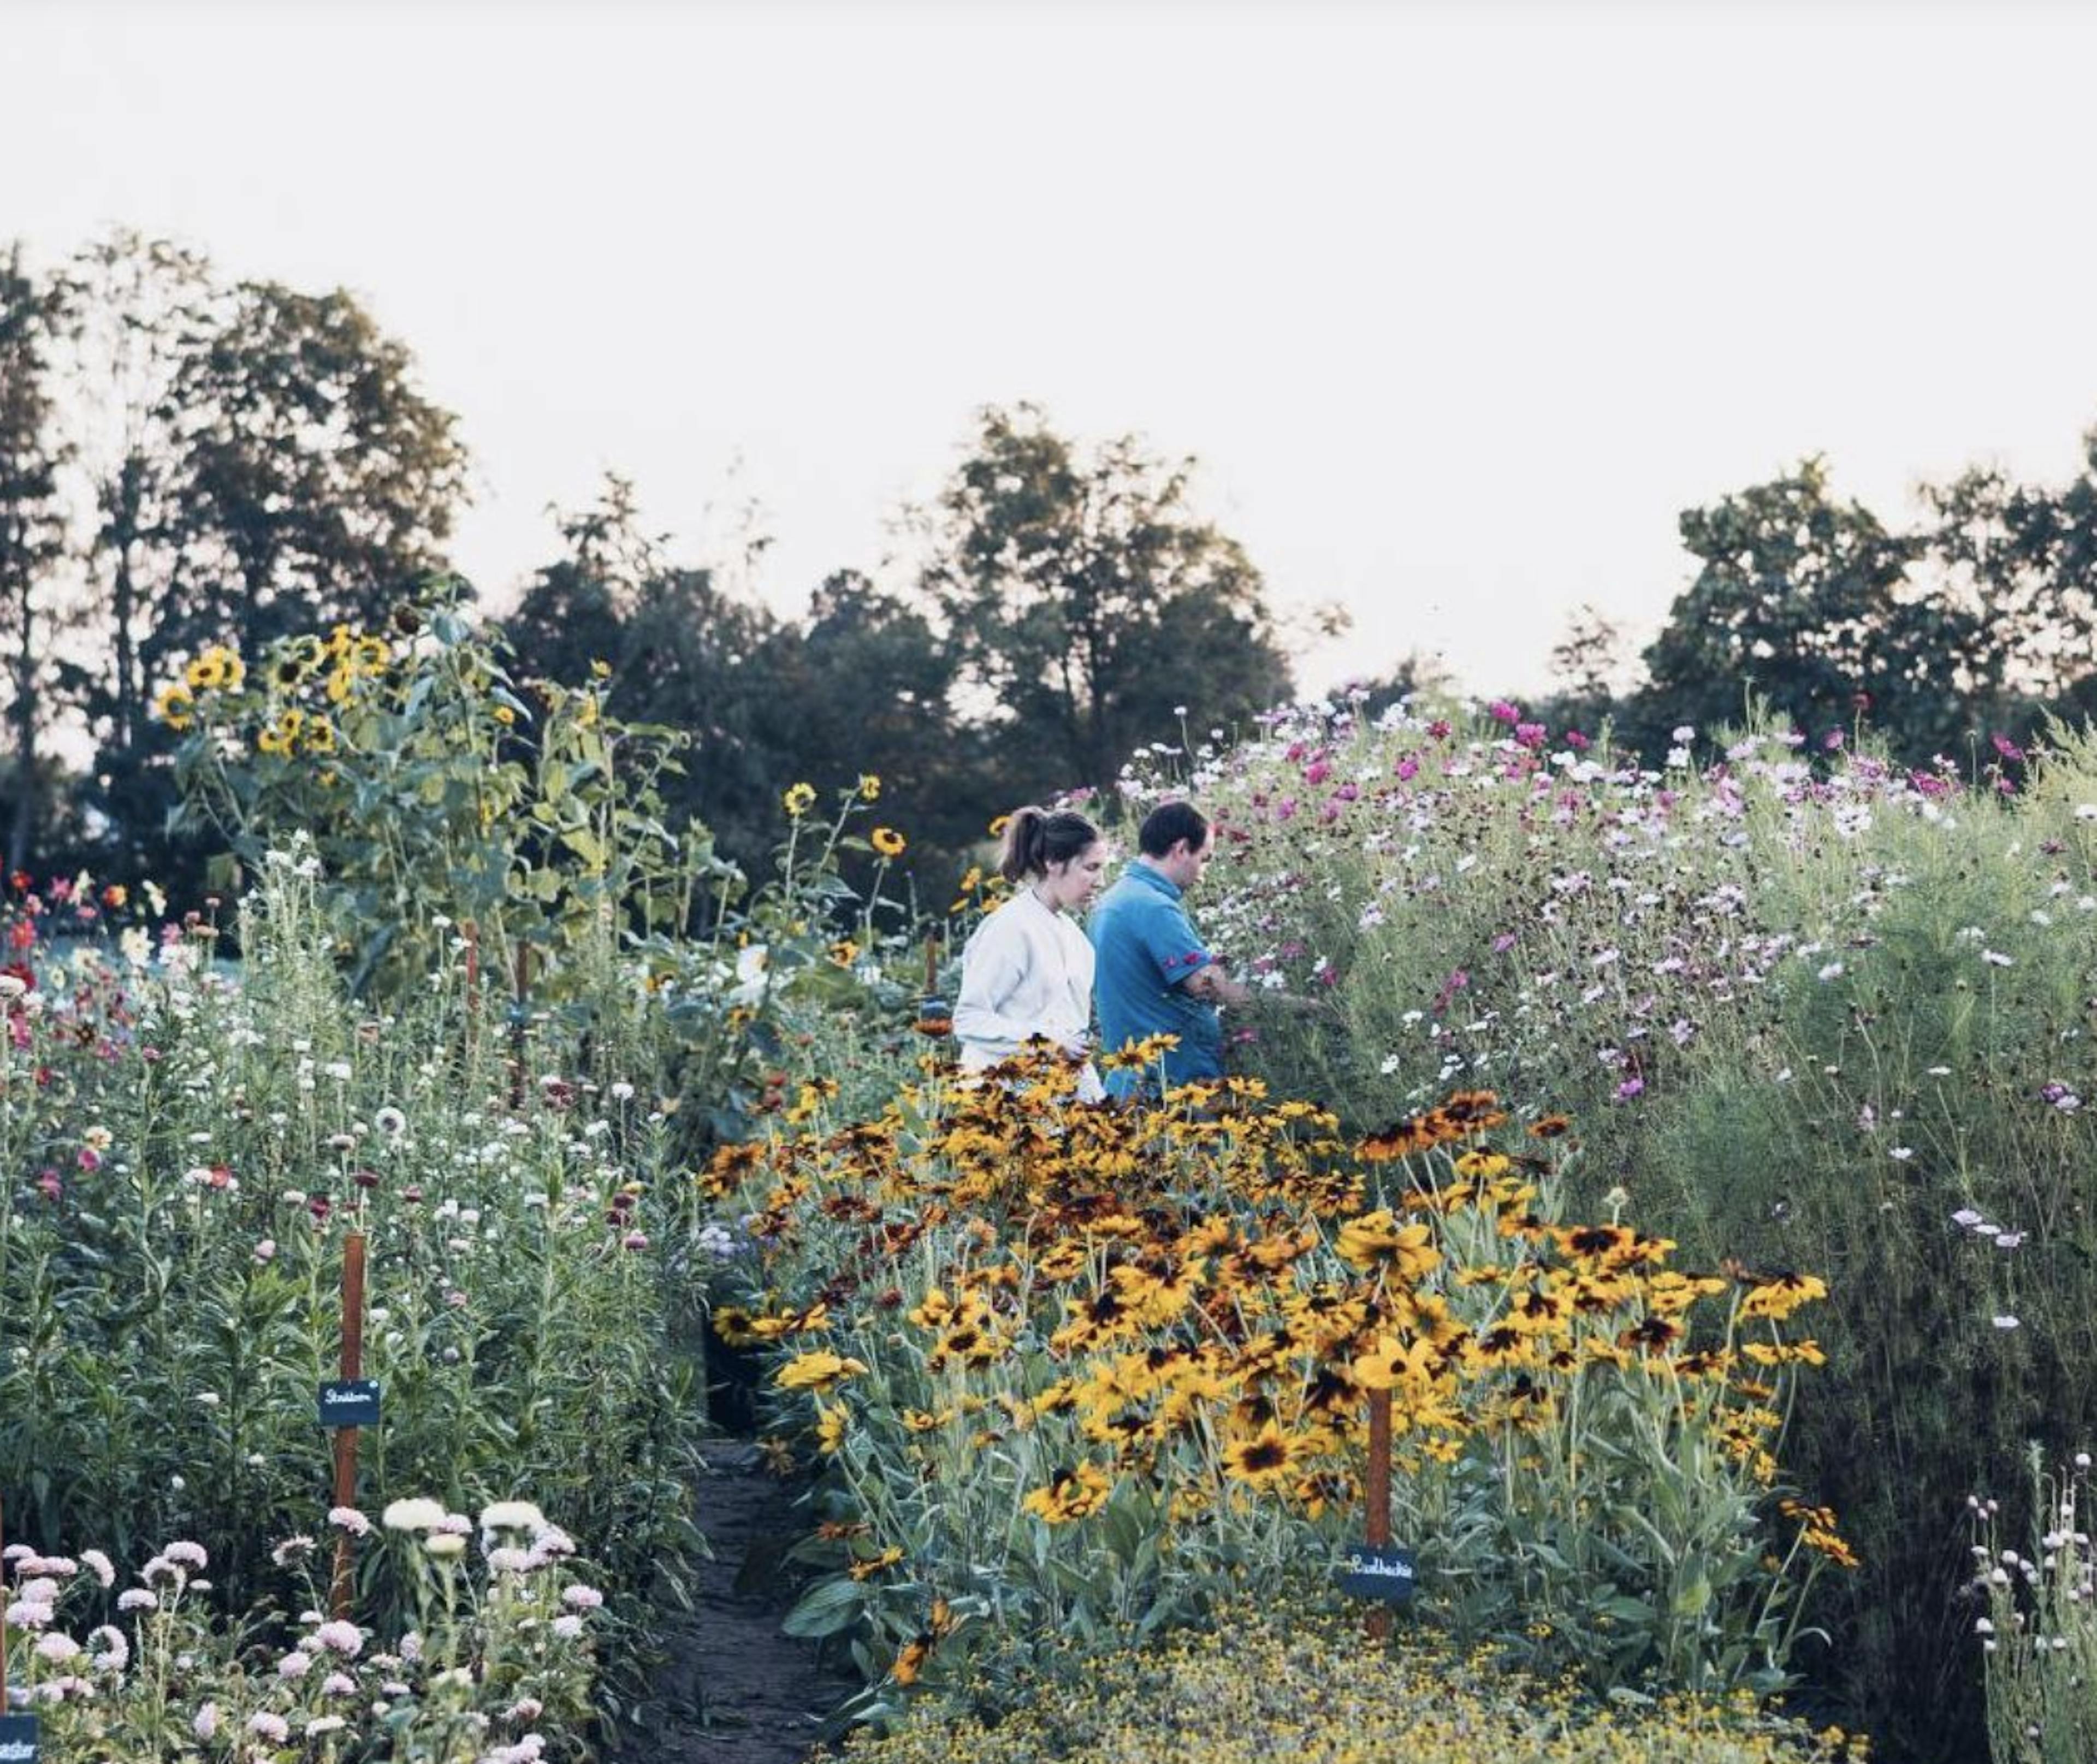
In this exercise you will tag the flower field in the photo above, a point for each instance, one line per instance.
(1691, 1163)
(1079, 1371)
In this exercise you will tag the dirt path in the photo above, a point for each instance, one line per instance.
(735, 1691)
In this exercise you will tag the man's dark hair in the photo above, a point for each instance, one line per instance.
(1167, 824)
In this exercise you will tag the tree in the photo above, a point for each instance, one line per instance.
(867, 688)
(142, 309)
(318, 484)
(1087, 604)
(2029, 556)
(683, 653)
(1808, 604)
(32, 529)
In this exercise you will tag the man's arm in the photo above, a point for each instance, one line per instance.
(1212, 984)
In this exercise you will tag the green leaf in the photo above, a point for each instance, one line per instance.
(826, 1609)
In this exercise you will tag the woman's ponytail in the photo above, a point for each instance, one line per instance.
(1033, 838)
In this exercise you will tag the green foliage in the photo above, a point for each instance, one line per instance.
(1831, 1017)
(1296, 1678)
(177, 1265)
(2036, 1631)
(495, 1648)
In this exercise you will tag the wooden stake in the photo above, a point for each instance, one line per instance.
(522, 981)
(931, 965)
(345, 1437)
(472, 932)
(1378, 1494)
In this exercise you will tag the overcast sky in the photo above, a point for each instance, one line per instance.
(1458, 307)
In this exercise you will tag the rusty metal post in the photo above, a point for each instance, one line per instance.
(345, 1437)
(1378, 1496)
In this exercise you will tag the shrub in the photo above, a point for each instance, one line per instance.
(1298, 1681)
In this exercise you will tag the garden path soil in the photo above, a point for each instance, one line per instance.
(735, 1690)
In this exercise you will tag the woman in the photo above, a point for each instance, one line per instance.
(1028, 970)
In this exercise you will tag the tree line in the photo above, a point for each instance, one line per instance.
(187, 460)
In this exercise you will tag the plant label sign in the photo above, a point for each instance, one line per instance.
(1369, 1572)
(19, 1743)
(348, 1402)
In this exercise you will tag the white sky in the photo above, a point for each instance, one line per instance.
(1458, 307)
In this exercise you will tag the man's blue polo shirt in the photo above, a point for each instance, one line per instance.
(1147, 947)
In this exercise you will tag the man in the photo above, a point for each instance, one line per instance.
(1154, 975)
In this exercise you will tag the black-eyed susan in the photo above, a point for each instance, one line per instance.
(818, 1370)
(1473, 1111)
(866, 1568)
(1781, 1294)
(887, 841)
(1377, 1241)
(797, 799)
(1073, 1494)
(1402, 1138)
(1265, 1459)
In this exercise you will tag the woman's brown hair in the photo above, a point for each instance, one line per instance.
(1036, 838)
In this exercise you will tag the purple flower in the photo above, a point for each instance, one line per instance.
(1631, 1087)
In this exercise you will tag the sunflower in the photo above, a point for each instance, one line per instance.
(209, 671)
(177, 706)
(888, 841)
(798, 799)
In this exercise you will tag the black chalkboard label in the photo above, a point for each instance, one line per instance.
(19, 1743)
(348, 1402)
(1370, 1573)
